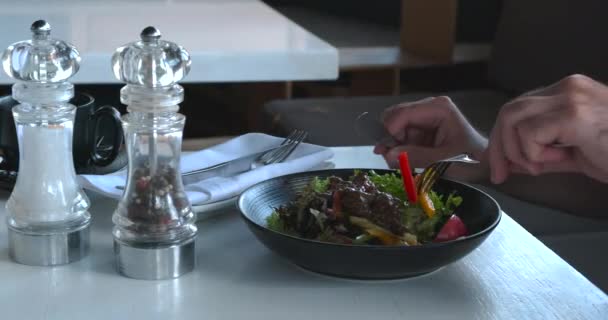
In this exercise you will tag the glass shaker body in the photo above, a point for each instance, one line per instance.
(47, 213)
(46, 197)
(154, 208)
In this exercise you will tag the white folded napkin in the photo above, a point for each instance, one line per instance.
(305, 157)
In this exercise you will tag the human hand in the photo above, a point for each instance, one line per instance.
(572, 112)
(433, 129)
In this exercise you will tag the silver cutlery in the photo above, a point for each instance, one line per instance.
(433, 172)
(259, 159)
(283, 151)
(371, 128)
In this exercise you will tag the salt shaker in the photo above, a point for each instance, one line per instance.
(48, 219)
(154, 225)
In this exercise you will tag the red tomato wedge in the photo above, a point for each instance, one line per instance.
(453, 229)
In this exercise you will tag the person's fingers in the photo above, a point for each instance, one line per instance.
(517, 111)
(427, 115)
(541, 168)
(538, 134)
(380, 149)
(504, 146)
(390, 111)
(515, 168)
(573, 160)
(566, 165)
(554, 154)
(550, 90)
(390, 161)
(415, 136)
(570, 83)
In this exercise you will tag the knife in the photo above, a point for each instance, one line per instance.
(373, 130)
(226, 169)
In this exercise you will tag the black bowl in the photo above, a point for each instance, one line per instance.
(480, 213)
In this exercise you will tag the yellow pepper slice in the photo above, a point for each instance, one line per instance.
(427, 204)
(386, 238)
(376, 231)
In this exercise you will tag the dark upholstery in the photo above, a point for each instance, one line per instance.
(540, 41)
(330, 121)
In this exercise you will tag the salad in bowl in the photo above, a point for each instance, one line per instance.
(368, 208)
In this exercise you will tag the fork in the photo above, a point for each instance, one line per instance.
(280, 154)
(433, 172)
(276, 155)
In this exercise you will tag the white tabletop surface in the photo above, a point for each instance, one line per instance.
(511, 275)
(228, 40)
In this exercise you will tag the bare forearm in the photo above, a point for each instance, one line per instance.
(573, 193)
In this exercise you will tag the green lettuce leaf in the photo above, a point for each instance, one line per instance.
(389, 183)
(319, 185)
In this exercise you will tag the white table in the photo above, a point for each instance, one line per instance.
(510, 276)
(229, 40)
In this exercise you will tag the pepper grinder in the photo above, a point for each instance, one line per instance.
(154, 225)
(48, 219)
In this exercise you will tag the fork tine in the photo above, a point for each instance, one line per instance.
(425, 175)
(274, 153)
(279, 154)
(438, 171)
(284, 144)
(419, 180)
(425, 178)
(293, 147)
(290, 136)
(283, 153)
(435, 171)
(428, 176)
